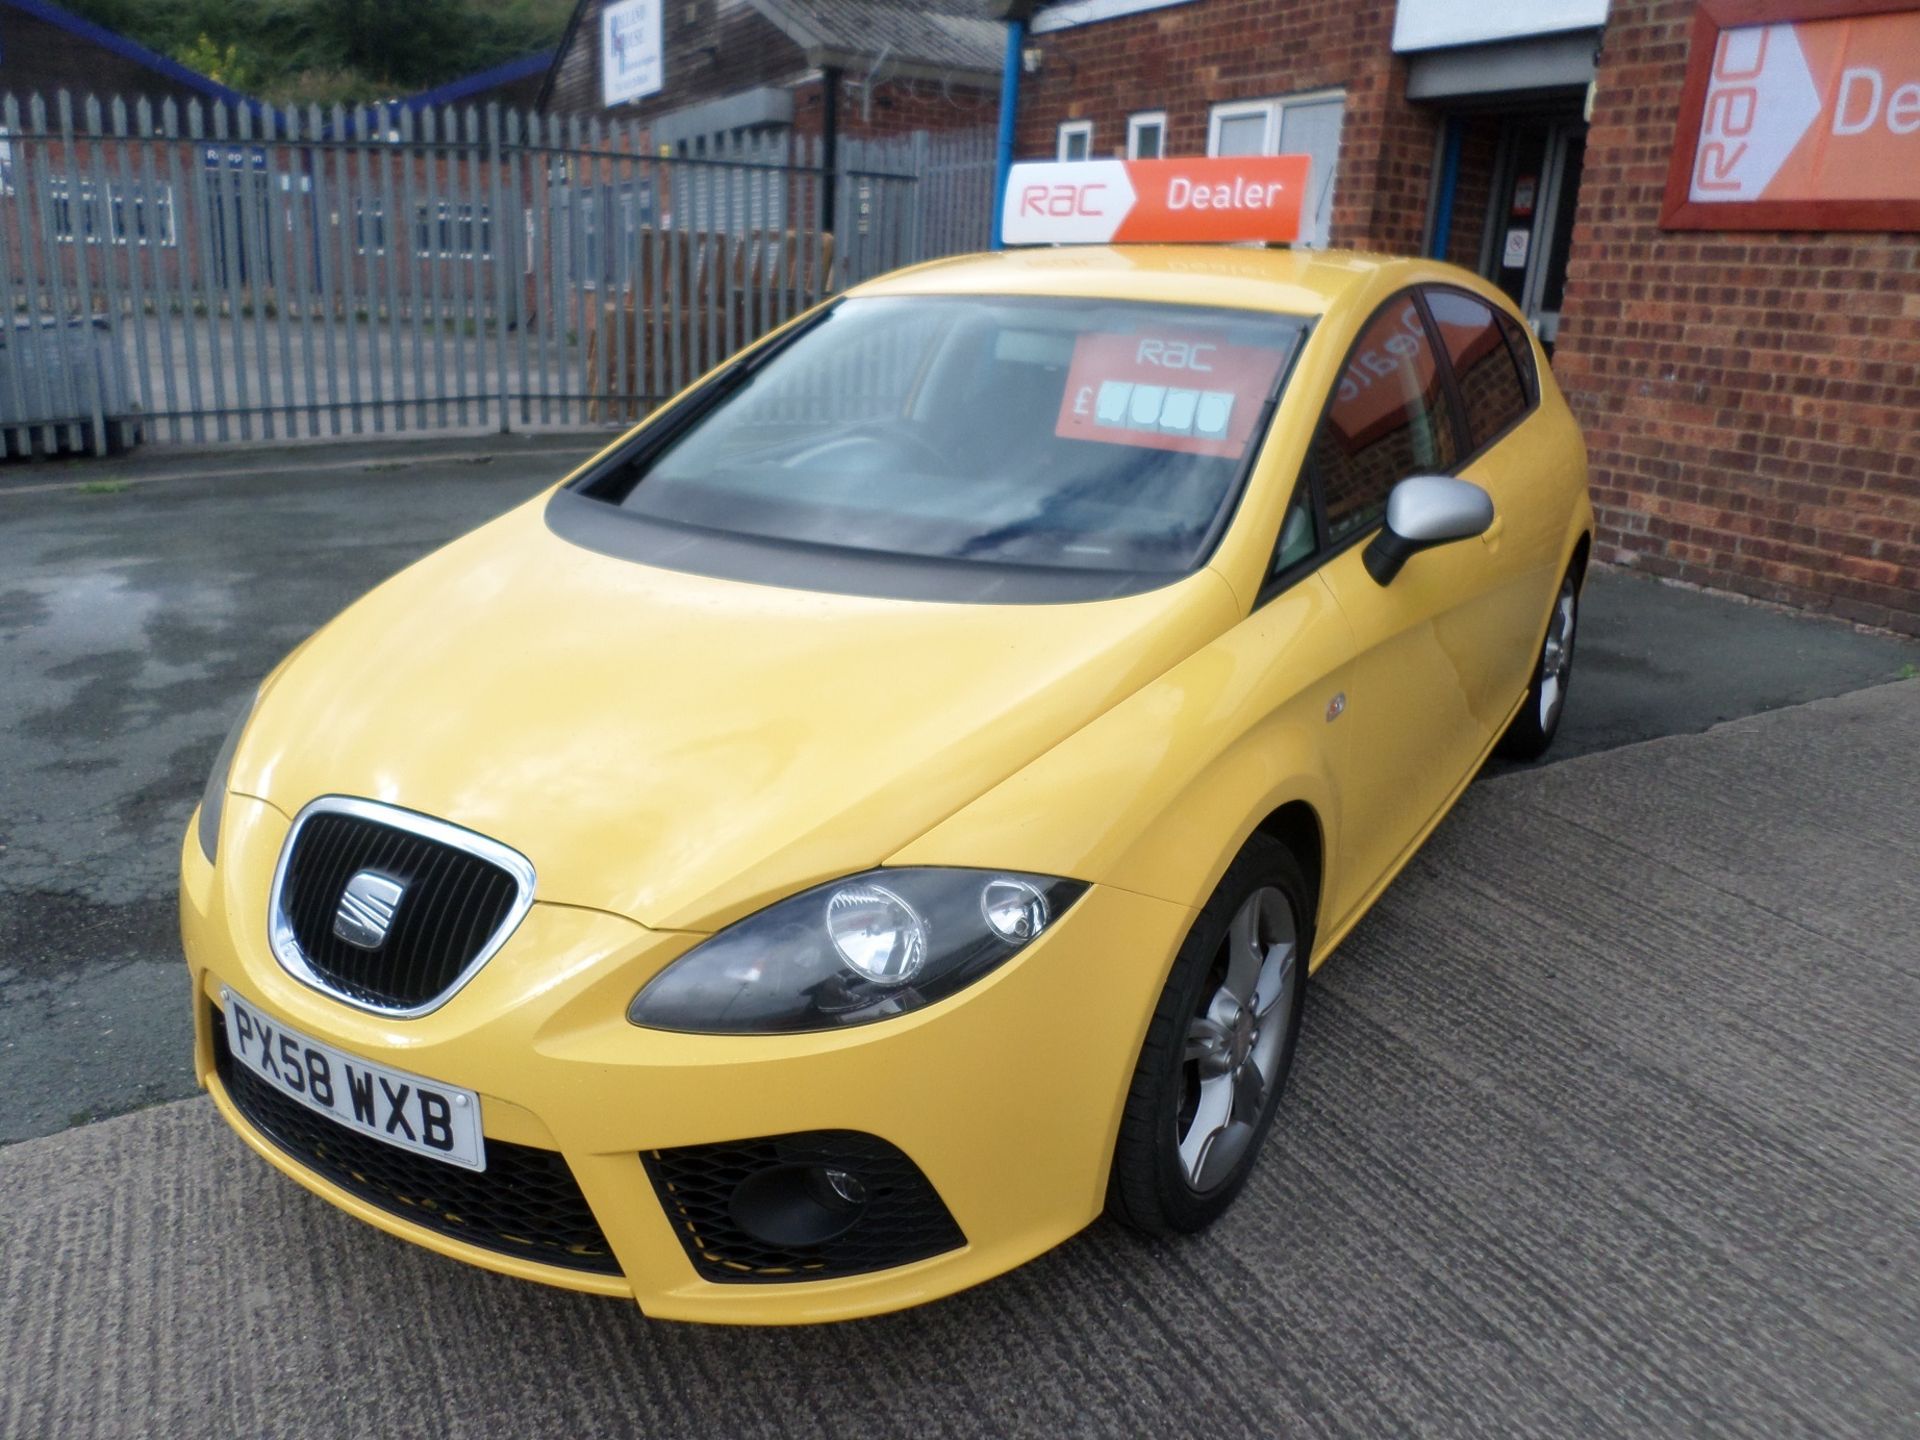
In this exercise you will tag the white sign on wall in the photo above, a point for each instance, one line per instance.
(630, 51)
(1429, 24)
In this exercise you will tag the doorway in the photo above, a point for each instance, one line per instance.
(1529, 231)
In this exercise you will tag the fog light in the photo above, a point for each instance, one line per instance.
(798, 1205)
(846, 1186)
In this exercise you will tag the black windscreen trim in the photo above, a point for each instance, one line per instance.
(832, 569)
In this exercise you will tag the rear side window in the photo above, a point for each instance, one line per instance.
(1522, 346)
(1491, 386)
(1389, 419)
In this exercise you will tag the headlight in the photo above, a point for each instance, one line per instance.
(861, 949)
(213, 799)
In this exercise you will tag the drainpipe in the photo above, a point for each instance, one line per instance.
(1452, 136)
(1015, 12)
(829, 142)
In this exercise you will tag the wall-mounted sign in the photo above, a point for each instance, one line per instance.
(1513, 255)
(1068, 14)
(630, 51)
(1430, 24)
(1799, 115)
(1216, 199)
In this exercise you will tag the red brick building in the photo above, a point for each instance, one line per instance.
(1749, 395)
(712, 71)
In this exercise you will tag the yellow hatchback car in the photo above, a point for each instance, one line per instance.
(882, 812)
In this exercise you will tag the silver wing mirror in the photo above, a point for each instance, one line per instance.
(1424, 511)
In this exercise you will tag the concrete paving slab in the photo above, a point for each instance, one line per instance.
(1607, 1121)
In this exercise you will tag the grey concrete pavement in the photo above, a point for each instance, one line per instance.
(1606, 1121)
(134, 622)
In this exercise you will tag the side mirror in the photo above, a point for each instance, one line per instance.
(1424, 511)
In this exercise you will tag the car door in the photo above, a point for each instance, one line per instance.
(1413, 688)
(1493, 378)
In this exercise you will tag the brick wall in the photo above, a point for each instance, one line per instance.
(709, 48)
(1749, 398)
(712, 48)
(1473, 190)
(1188, 58)
(897, 107)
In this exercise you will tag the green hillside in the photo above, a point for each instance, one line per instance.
(296, 51)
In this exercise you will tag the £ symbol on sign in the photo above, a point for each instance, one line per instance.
(1081, 400)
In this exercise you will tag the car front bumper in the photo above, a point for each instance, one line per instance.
(1007, 1097)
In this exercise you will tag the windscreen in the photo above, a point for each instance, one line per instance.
(1069, 434)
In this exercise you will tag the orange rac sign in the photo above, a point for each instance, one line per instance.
(1200, 200)
(1800, 114)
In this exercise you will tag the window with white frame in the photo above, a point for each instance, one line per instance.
(453, 232)
(1289, 125)
(1147, 135)
(132, 215)
(1076, 140)
(369, 228)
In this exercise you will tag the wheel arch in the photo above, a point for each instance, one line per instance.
(1296, 825)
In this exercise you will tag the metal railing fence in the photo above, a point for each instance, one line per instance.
(209, 273)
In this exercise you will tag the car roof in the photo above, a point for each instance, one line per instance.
(1298, 282)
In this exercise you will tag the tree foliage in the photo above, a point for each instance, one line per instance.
(294, 51)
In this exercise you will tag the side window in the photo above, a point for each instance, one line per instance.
(1522, 346)
(1296, 541)
(1390, 418)
(1490, 383)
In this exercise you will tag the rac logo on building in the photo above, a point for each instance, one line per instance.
(1816, 110)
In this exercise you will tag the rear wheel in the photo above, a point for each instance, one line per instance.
(1533, 729)
(1218, 1049)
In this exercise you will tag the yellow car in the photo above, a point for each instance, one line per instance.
(882, 812)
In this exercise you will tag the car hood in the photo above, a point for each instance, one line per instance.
(680, 749)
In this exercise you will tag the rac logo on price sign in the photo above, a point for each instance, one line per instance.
(1212, 199)
(1808, 123)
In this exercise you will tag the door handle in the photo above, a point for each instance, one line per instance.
(1491, 535)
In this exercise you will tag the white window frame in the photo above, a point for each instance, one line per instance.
(1141, 121)
(1070, 129)
(1272, 109)
(437, 234)
(135, 203)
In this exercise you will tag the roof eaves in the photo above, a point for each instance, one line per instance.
(502, 74)
(822, 57)
(133, 50)
(559, 54)
(793, 26)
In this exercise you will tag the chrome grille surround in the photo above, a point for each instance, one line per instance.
(280, 928)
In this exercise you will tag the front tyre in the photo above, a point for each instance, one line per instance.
(1533, 729)
(1218, 1048)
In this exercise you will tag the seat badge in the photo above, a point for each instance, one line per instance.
(366, 909)
(1336, 707)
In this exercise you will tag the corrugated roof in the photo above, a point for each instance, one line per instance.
(941, 34)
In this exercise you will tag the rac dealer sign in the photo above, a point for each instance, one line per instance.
(1802, 115)
(1198, 200)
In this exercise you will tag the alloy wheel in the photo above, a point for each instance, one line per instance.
(1236, 1040)
(1557, 658)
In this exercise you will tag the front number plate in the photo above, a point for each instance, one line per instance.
(404, 1110)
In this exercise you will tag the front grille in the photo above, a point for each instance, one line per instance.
(903, 1219)
(454, 909)
(525, 1203)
